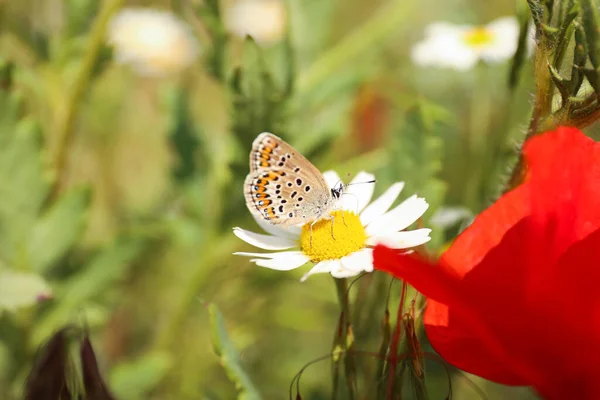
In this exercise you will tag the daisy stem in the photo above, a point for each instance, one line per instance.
(342, 342)
(66, 128)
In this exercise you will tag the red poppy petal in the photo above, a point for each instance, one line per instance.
(463, 347)
(483, 334)
(429, 279)
(558, 164)
(564, 171)
(461, 336)
(487, 230)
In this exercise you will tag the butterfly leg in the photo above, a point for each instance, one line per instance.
(332, 235)
(332, 218)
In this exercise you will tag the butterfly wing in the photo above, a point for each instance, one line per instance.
(283, 187)
(270, 151)
(284, 198)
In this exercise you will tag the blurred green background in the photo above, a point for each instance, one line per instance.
(120, 191)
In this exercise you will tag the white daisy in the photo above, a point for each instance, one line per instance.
(357, 225)
(264, 20)
(153, 42)
(462, 46)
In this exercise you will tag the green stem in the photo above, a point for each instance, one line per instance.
(542, 108)
(386, 20)
(480, 113)
(340, 344)
(67, 125)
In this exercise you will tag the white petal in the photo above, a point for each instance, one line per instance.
(504, 45)
(284, 261)
(266, 242)
(359, 193)
(402, 240)
(265, 21)
(321, 267)
(382, 204)
(343, 273)
(332, 178)
(359, 261)
(263, 255)
(398, 218)
(291, 232)
(444, 47)
(445, 29)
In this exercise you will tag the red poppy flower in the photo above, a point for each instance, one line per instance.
(516, 298)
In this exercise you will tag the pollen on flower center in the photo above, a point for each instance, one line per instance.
(333, 238)
(478, 37)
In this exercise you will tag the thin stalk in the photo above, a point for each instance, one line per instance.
(66, 128)
(393, 355)
(542, 108)
(480, 112)
(340, 344)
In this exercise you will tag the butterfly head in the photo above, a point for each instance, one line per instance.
(337, 190)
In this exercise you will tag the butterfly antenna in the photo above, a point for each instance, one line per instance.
(359, 183)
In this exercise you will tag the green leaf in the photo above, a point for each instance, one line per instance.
(19, 289)
(135, 380)
(56, 231)
(79, 15)
(215, 57)
(230, 359)
(102, 273)
(591, 23)
(258, 102)
(23, 185)
(182, 136)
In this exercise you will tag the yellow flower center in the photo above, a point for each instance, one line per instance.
(333, 238)
(478, 37)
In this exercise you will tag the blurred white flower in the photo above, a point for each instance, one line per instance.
(152, 42)
(462, 46)
(264, 20)
(20, 289)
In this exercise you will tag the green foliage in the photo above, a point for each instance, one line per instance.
(24, 184)
(230, 359)
(183, 138)
(417, 153)
(56, 231)
(257, 100)
(136, 380)
(103, 271)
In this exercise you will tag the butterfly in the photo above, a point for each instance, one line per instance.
(283, 187)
